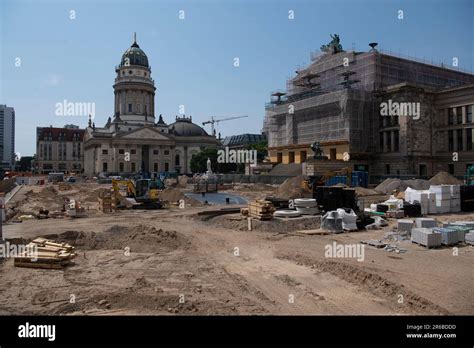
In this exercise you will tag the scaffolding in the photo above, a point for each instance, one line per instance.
(332, 99)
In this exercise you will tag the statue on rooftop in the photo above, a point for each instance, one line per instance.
(334, 46)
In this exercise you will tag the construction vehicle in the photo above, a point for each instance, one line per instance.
(469, 177)
(143, 191)
(320, 180)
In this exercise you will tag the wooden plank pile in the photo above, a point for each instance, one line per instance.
(64, 186)
(45, 253)
(105, 202)
(261, 210)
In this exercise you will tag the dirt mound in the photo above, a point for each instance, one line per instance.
(443, 178)
(182, 181)
(141, 239)
(48, 192)
(94, 195)
(171, 195)
(236, 222)
(391, 184)
(260, 187)
(362, 191)
(289, 169)
(291, 188)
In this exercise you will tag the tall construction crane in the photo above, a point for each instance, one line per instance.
(212, 121)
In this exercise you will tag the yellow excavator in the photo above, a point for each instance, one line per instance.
(143, 191)
(320, 180)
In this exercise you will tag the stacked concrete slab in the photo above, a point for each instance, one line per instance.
(405, 225)
(460, 230)
(455, 198)
(448, 236)
(426, 237)
(470, 238)
(439, 199)
(459, 223)
(426, 222)
(462, 227)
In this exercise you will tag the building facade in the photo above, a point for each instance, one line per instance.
(338, 100)
(242, 141)
(7, 137)
(440, 140)
(133, 140)
(59, 150)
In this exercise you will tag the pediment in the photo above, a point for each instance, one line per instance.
(145, 133)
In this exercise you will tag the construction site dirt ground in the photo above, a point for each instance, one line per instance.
(171, 261)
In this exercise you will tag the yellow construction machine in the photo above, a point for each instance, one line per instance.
(143, 191)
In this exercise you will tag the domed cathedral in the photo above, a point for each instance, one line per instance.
(132, 140)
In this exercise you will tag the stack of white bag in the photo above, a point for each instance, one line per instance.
(439, 199)
(339, 220)
(348, 219)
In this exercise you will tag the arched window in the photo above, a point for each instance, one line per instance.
(177, 160)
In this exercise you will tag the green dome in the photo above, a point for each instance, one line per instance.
(135, 56)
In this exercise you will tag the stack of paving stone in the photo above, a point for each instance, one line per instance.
(405, 225)
(461, 231)
(426, 237)
(448, 236)
(426, 222)
(469, 238)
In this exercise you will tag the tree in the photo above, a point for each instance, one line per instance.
(262, 149)
(199, 162)
(24, 164)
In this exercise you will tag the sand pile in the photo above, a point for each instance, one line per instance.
(260, 187)
(141, 238)
(182, 181)
(443, 178)
(94, 195)
(171, 195)
(391, 184)
(291, 188)
(49, 191)
(362, 191)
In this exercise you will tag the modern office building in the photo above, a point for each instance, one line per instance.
(7, 137)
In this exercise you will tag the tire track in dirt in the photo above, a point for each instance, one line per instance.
(281, 281)
(372, 282)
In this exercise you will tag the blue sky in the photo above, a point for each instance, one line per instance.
(192, 59)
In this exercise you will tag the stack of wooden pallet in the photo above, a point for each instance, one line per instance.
(261, 210)
(45, 253)
(105, 203)
(63, 186)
